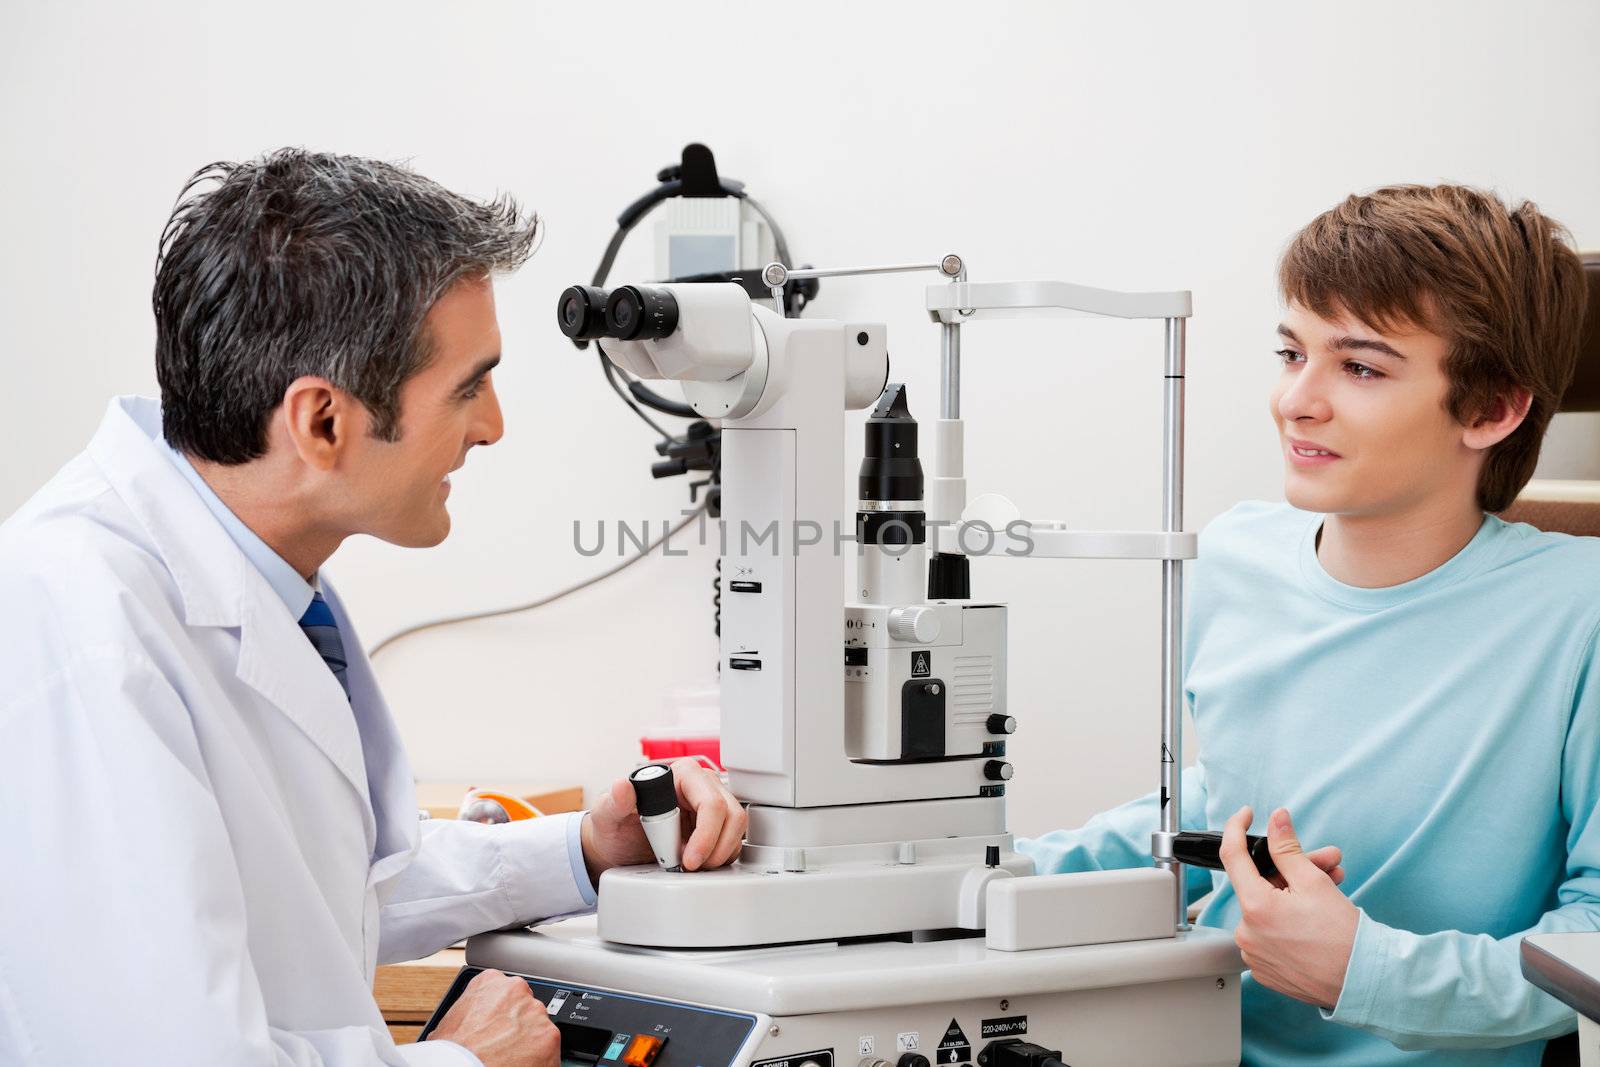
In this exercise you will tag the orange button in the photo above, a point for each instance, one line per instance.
(642, 1050)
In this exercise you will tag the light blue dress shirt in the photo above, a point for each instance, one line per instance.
(292, 589)
(296, 594)
(1445, 733)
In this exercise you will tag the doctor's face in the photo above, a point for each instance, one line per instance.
(1362, 419)
(445, 409)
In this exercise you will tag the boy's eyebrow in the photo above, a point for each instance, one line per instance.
(478, 372)
(1349, 344)
(1365, 344)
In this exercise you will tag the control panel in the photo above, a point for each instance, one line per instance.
(600, 1028)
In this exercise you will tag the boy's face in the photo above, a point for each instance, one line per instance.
(1362, 420)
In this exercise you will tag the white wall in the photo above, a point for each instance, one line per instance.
(1124, 145)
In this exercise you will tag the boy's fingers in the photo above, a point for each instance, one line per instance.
(1296, 867)
(1326, 858)
(1247, 881)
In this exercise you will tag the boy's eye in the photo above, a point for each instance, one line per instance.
(1289, 355)
(1361, 371)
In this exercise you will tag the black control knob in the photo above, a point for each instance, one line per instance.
(998, 770)
(913, 1059)
(1001, 724)
(653, 789)
(1203, 848)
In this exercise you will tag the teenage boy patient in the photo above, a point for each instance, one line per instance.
(1410, 678)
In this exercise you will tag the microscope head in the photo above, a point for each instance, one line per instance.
(735, 359)
(692, 332)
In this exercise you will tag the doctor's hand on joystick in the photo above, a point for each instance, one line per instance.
(656, 799)
(688, 816)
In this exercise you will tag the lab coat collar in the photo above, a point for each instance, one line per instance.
(220, 587)
(292, 589)
(194, 547)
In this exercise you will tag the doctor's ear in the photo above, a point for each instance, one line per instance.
(320, 417)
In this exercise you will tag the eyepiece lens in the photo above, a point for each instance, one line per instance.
(581, 312)
(641, 311)
(622, 314)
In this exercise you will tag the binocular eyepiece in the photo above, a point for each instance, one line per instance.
(627, 313)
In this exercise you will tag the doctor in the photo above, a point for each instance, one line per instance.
(210, 834)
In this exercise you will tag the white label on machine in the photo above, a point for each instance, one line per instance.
(557, 1002)
(866, 1045)
(907, 1042)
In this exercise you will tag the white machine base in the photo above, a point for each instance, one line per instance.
(860, 891)
(1171, 1001)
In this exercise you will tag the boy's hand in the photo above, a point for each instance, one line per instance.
(1295, 938)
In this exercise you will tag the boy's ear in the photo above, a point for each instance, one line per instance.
(1498, 421)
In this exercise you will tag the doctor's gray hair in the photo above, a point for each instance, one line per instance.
(305, 263)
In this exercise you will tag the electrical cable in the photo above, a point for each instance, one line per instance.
(451, 620)
(611, 373)
(651, 400)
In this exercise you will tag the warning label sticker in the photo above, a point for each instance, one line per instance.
(921, 663)
(1006, 1027)
(954, 1047)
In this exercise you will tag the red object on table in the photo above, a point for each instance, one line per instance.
(658, 748)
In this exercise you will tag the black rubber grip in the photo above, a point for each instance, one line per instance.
(1203, 848)
(653, 789)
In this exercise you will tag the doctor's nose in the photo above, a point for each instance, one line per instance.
(488, 424)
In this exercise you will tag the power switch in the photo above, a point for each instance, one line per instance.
(642, 1050)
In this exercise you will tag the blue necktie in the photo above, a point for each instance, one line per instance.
(323, 633)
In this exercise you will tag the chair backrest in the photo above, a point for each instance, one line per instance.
(1571, 506)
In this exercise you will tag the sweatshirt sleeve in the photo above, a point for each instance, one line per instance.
(1460, 990)
(1120, 838)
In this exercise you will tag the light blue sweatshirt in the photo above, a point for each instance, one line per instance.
(1445, 733)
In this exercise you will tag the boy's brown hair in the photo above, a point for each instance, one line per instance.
(1501, 284)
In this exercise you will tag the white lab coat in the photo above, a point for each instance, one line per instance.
(205, 850)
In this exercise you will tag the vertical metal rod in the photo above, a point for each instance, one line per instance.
(950, 370)
(1172, 606)
(777, 299)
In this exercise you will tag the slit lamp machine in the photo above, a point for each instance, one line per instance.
(878, 915)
